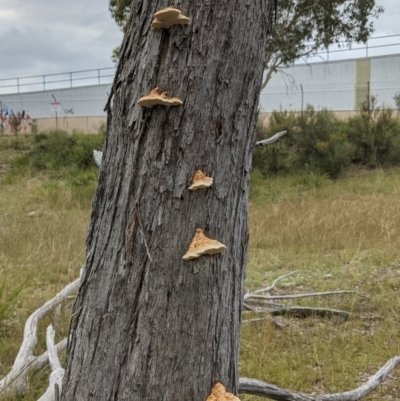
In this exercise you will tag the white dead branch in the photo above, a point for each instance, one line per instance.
(262, 389)
(261, 301)
(15, 380)
(57, 373)
(273, 139)
(306, 295)
(97, 156)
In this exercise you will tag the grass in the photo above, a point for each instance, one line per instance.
(340, 234)
(43, 221)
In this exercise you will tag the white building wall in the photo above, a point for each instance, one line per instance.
(385, 79)
(76, 102)
(330, 85)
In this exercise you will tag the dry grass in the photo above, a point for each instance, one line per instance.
(42, 253)
(339, 235)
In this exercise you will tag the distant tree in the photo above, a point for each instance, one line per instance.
(396, 99)
(305, 26)
(120, 10)
(302, 27)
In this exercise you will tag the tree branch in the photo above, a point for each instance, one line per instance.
(262, 389)
(57, 373)
(15, 380)
(297, 296)
(272, 286)
(268, 141)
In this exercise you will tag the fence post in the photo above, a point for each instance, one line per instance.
(70, 79)
(44, 82)
(18, 85)
(302, 99)
(98, 75)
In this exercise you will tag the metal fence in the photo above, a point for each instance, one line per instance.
(375, 46)
(57, 81)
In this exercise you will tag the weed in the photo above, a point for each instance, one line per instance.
(7, 302)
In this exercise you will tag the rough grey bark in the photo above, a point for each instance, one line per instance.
(147, 325)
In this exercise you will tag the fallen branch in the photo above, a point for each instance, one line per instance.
(297, 296)
(273, 139)
(262, 389)
(57, 373)
(262, 301)
(15, 380)
(272, 286)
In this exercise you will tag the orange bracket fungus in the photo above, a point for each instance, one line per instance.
(200, 181)
(167, 17)
(218, 393)
(202, 245)
(154, 98)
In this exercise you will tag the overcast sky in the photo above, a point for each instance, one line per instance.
(50, 36)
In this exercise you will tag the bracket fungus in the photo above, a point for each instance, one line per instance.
(154, 98)
(202, 245)
(200, 181)
(218, 393)
(167, 17)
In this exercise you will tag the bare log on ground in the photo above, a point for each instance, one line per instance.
(273, 139)
(262, 389)
(15, 380)
(57, 373)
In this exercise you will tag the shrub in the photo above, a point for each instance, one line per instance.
(271, 159)
(316, 141)
(58, 150)
(320, 143)
(375, 134)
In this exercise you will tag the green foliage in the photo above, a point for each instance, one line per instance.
(120, 10)
(319, 142)
(275, 158)
(305, 26)
(19, 143)
(375, 134)
(58, 150)
(7, 302)
(316, 141)
(301, 27)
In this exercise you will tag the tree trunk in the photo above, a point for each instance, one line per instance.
(146, 324)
